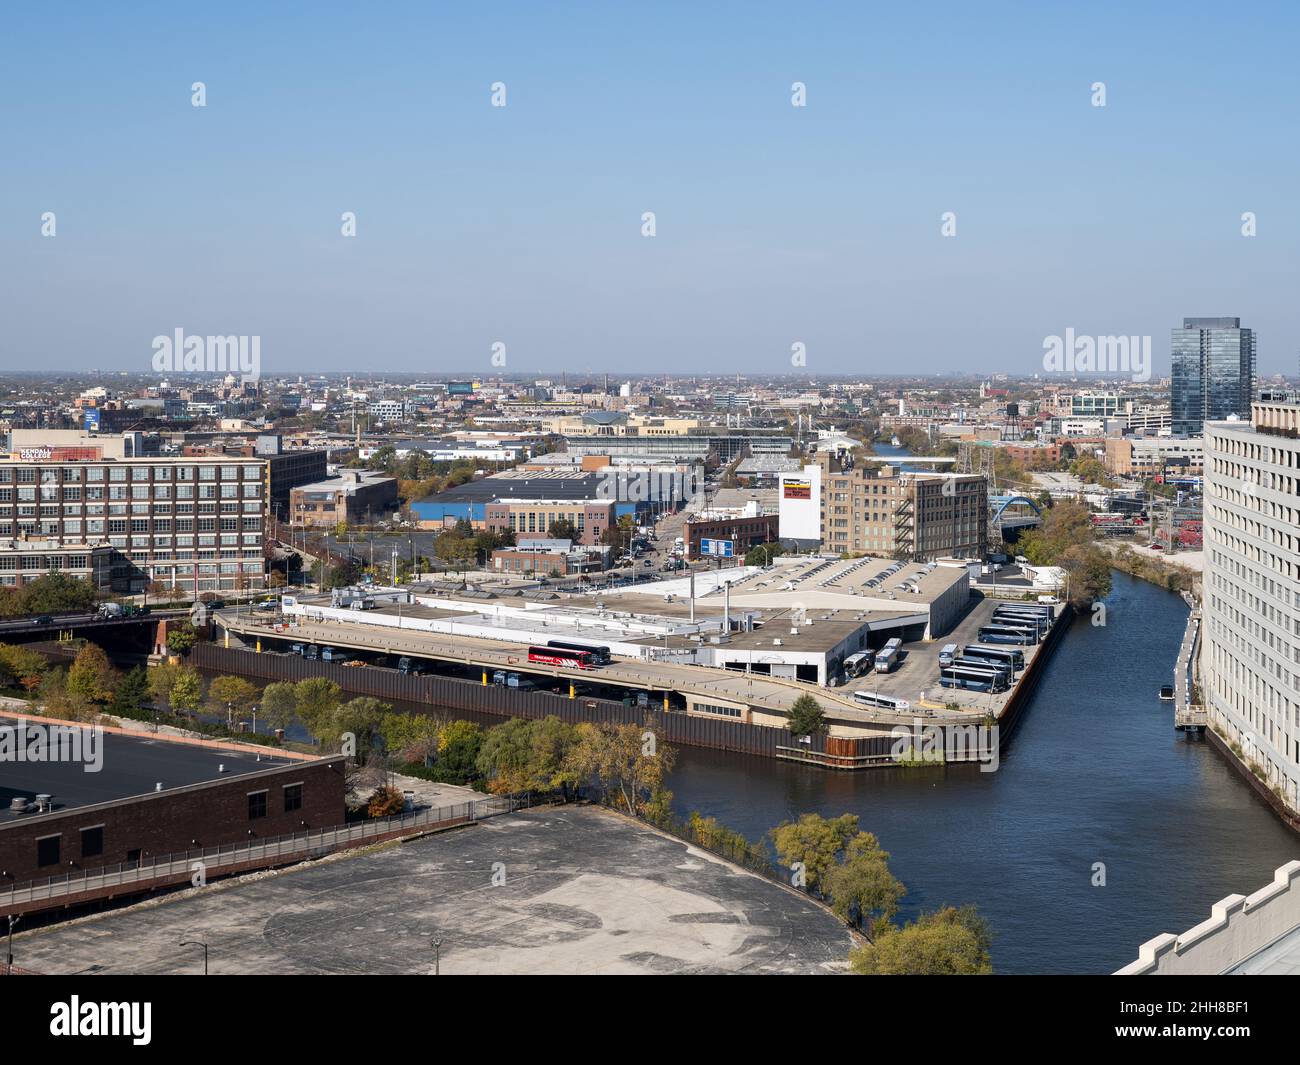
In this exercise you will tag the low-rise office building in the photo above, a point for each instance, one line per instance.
(353, 497)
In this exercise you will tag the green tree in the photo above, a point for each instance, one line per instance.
(279, 704)
(458, 748)
(951, 942)
(411, 737)
(131, 694)
(181, 639)
(91, 676)
(55, 593)
(861, 887)
(807, 718)
(359, 718)
(763, 554)
(186, 694)
(562, 529)
(317, 699)
(813, 842)
(505, 756)
(229, 694)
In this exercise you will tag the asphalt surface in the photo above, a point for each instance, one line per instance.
(577, 890)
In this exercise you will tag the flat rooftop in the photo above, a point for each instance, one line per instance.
(129, 765)
(587, 892)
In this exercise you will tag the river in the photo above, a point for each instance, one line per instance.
(1094, 773)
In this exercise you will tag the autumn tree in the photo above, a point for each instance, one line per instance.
(229, 695)
(624, 761)
(951, 942)
(91, 676)
(813, 843)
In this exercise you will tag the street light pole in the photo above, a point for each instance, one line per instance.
(9, 953)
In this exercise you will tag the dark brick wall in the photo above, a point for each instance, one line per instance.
(211, 814)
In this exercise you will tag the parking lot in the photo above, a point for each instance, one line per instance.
(562, 890)
(916, 677)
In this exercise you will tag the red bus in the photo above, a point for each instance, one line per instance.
(561, 656)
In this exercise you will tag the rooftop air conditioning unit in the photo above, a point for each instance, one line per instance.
(776, 642)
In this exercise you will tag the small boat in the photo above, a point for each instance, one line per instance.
(1166, 693)
(895, 442)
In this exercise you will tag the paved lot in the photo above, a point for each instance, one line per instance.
(584, 892)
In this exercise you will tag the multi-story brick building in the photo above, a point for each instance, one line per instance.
(355, 496)
(193, 522)
(589, 519)
(883, 510)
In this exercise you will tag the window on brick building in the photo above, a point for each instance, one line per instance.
(256, 805)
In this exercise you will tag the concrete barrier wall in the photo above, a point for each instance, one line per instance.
(1238, 927)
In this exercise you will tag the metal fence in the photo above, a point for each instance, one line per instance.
(267, 852)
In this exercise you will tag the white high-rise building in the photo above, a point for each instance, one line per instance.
(1250, 650)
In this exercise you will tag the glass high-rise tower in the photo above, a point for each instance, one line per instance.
(1213, 372)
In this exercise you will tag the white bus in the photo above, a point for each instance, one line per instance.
(883, 702)
(887, 656)
(856, 665)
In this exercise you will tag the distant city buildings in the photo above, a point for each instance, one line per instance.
(1212, 372)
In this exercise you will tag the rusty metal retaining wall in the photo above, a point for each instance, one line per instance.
(455, 694)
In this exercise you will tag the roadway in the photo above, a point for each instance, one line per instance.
(766, 694)
(66, 621)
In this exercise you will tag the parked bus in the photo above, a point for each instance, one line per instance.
(862, 662)
(1038, 625)
(599, 655)
(560, 656)
(1002, 669)
(1024, 625)
(976, 680)
(1013, 656)
(949, 652)
(887, 656)
(1003, 634)
(884, 702)
(1034, 625)
(1022, 615)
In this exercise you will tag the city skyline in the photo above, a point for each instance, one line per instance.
(775, 225)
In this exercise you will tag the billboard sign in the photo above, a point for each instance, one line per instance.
(800, 501)
(718, 548)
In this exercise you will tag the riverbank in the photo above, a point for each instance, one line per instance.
(1081, 844)
(1149, 566)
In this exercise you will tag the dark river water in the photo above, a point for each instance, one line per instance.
(1094, 773)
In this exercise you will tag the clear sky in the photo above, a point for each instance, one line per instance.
(522, 224)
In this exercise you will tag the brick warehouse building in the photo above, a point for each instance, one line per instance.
(152, 796)
(194, 523)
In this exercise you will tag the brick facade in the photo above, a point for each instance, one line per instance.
(199, 815)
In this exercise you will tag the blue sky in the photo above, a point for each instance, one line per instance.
(522, 224)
